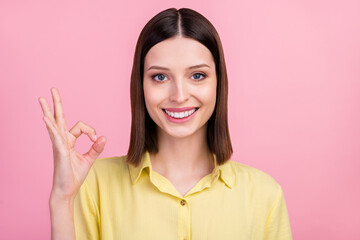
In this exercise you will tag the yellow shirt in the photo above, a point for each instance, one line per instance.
(235, 201)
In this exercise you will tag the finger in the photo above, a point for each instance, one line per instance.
(96, 149)
(46, 109)
(58, 109)
(80, 128)
(51, 129)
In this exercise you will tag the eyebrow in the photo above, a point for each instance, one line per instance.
(192, 67)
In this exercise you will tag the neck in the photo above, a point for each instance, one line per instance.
(183, 158)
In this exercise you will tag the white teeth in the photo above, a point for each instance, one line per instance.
(180, 114)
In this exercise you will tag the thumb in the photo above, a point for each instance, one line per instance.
(96, 149)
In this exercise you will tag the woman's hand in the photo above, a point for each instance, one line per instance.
(70, 167)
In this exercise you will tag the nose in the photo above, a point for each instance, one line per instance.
(179, 92)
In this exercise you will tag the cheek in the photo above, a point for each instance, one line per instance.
(207, 94)
(147, 95)
(152, 96)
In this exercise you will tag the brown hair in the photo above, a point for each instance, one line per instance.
(166, 24)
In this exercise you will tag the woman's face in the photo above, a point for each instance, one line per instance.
(179, 95)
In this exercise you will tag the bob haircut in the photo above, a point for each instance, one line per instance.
(166, 24)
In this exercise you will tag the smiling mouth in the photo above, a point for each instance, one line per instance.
(180, 115)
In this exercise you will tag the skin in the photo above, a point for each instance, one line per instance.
(70, 167)
(176, 88)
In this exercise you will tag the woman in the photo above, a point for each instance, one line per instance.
(177, 180)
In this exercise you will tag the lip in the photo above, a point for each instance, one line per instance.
(180, 120)
(180, 109)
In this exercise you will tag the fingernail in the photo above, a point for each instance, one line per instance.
(95, 137)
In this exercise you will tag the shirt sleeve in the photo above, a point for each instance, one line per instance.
(86, 217)
(277, 226)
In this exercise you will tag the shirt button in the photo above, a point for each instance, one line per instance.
(182, 202)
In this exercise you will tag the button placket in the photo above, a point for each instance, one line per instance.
(184, 220)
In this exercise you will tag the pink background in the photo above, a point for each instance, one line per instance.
(294, 98)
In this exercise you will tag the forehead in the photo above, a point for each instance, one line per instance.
(178, 52)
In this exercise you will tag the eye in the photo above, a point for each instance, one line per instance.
(198, 75)
(160, 79)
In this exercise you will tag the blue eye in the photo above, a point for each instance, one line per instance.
(199, 74)
(161, 78)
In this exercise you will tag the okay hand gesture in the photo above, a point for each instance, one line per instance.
(70, 167)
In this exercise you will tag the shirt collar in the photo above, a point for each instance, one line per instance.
(226, 173)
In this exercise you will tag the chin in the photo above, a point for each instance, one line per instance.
(186, 132)
(180, 134)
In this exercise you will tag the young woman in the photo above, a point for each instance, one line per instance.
(177, 180)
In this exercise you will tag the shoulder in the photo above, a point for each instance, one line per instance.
(106, 169)
(110, 164)
(251, 173)
(254, 180)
